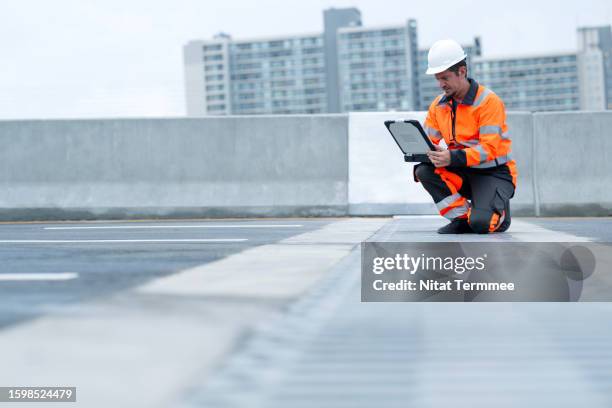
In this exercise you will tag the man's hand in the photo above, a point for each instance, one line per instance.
(440, 158)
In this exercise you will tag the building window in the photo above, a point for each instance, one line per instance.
(214, 47)
(216, 57)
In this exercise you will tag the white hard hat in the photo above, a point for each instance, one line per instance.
(443, 55)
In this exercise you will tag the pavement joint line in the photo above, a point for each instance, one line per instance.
(108, 241)
(176, 226)
(61, 276)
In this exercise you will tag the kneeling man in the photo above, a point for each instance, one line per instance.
(473, 180)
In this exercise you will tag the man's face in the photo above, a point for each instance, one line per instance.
(450, 82)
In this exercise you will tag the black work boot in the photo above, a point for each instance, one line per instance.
(456, 226)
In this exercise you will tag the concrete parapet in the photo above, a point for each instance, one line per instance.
(196, 167)
(276, 166)
(574, 163)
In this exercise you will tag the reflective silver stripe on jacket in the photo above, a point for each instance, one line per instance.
(445, 202)
(481, 97)
(469, 143)
(493, 163)
(483, 153)
(487, 130)
(492, 129)
(435, 133)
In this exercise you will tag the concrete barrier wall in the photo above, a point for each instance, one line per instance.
(239, 166)
(323, 165)
(574, 163)
(564, 163)
(381, 183)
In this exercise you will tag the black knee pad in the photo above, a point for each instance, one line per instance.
(480, 219)
(424, 172)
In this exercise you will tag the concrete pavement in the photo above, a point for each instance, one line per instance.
(331, 350)
(125, 335)
(276, 320)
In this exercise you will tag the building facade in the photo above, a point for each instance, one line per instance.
(264, 76)
(346, 68)
(277, 75)
(377, 68)
(594, 60)
(333, 21)
(532, 83)
(350, 67)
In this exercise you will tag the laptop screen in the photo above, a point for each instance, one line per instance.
(409, 138)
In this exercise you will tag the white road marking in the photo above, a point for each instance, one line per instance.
(106, 241)
(38, 276)
(177, 226)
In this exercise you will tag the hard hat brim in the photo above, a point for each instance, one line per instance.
(442, 68)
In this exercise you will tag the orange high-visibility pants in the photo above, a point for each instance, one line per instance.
(480, 195)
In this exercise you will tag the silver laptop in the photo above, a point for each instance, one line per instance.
(411, 139)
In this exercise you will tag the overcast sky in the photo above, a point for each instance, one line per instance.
(123, 58)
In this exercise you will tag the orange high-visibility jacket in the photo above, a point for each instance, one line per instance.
(474, 129)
